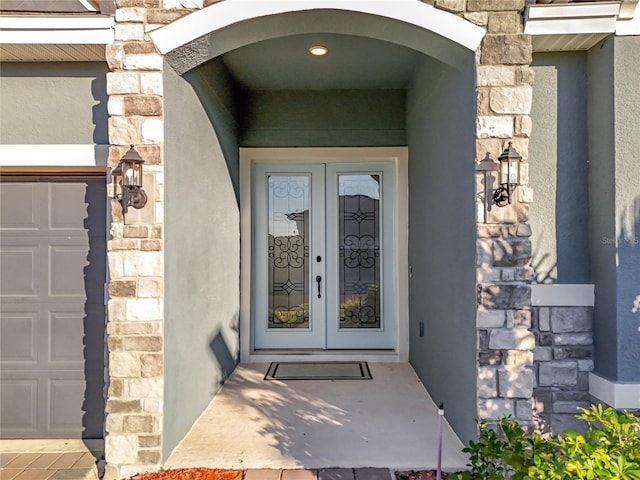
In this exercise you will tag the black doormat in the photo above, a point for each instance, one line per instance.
(318, 371)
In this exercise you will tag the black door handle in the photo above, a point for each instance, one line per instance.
(319, 280)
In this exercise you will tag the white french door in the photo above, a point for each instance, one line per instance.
(323, 256)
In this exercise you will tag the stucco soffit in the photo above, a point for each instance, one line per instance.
(229, 12)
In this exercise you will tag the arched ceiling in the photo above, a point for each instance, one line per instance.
(351, 63)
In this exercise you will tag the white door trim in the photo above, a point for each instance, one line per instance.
(399, 156)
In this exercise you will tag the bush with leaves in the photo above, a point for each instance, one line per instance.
(610, 450)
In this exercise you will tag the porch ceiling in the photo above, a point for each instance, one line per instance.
(352, 62)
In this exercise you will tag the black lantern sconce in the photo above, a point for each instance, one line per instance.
(128, 175)
(509, 176)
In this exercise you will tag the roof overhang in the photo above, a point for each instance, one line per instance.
(577, 26)
(54, 37)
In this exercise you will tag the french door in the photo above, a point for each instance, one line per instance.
(323, 256)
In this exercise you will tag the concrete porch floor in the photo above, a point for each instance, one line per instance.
(388, 422)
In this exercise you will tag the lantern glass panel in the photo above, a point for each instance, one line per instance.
(514, 171)
(131, 174)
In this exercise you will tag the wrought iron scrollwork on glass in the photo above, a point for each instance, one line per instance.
(359, 250)
(288, 251)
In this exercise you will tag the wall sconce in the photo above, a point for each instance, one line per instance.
(509, 176)
(128, 174)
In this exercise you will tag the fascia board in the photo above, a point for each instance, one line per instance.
(56, 30)
(568, 26)
(572, 10)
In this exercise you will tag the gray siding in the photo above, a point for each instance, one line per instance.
(441, 133)
(559, 169)
(53, 103)
(202, 260)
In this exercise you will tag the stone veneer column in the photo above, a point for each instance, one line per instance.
(506, 378)
(133, 426)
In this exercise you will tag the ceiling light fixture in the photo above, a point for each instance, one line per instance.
(318, 50)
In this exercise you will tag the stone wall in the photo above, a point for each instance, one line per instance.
(563, 358)
(136, 288)
(506, 376)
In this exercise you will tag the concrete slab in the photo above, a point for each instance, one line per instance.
(387, 422)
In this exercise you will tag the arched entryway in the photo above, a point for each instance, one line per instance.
(238, 75)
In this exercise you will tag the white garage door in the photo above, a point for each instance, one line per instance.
(52, 317)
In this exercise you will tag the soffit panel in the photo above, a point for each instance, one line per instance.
(51, 53)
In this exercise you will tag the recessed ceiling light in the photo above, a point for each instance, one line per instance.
(318, 50)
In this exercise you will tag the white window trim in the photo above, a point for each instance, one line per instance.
(311, 155)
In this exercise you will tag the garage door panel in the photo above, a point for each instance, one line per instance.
(18, 338)
(66, 403)
(19, 269)
(18, 203)
(66, 334)
(66, 270)
(52, 314)
(68, 206)
(24, 394)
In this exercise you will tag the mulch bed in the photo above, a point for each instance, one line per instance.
(191, 474)
(420, 475)
(221, 474)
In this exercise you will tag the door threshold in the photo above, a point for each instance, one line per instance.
(273, 355)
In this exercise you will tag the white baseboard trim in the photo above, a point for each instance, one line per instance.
(88, 155)
(556, 295)
(617, 395)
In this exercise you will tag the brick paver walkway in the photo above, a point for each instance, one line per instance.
(48, 466)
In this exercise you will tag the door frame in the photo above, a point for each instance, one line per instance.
(397, 155)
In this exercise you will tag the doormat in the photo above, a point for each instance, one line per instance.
(318, 371)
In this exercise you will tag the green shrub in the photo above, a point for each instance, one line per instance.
(610, 450)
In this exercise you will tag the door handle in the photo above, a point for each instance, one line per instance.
(319, 280)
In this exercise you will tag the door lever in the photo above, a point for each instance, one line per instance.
(319, 280)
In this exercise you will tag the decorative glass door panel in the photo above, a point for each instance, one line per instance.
(323, 238)
(359, 250)
(288, 250)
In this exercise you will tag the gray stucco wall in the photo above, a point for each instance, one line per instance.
(627, 213)
(602, 205)
(219, 97)
(346, 118)
(53, 103)
(558, 155)
(441, 134)
(614, 143)
(202, 261)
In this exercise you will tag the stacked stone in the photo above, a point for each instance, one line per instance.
(506, 376)
(136, 290)
(563, 360)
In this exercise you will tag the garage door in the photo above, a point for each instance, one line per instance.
(52, 317)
